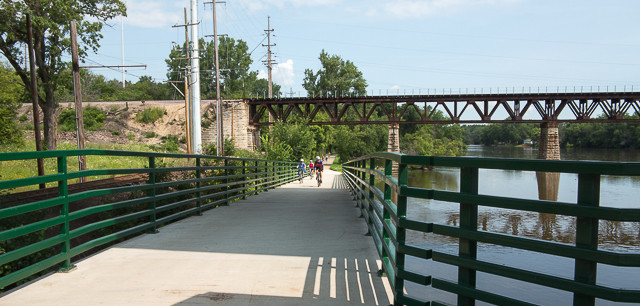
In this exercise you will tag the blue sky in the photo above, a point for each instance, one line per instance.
(412, 45)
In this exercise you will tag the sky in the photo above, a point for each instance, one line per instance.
(405, 46)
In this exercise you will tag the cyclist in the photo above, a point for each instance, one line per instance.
(311, 169)
(301, 168)
(319, 166)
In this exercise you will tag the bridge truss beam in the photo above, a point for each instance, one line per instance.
(544, 107)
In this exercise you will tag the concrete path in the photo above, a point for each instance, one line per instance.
(298, 244)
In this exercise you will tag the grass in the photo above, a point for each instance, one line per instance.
(336, 166)
(150, 114)
(17, 169)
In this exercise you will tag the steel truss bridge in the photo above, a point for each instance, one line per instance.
(546, 107)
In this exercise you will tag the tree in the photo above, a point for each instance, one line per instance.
(234, 60)
(336, 78)
(51, 24)
(11, 91)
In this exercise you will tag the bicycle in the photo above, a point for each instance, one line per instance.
(318, 179)
(300, 176)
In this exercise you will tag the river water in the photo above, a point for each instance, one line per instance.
(621, 192)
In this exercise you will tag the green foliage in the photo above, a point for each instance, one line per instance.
(150, 134)
(150, 114)
(22, 117)
(115, 133)
(602, 135)
(505, 133)
(336, 78)
(205, 124)
(336, 166)
(234, 62)
(131, 136)
(51, 33)
(29, 126)
(298, 136)
(183, 139)
(93, 117)
(276, 150)
(422, 142)
(113, 108)
(212, 148)
(10, 99)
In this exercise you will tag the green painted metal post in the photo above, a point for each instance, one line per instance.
(152, 193)
(372, 178)
(63, 191)
(244, 179)
(198, 185)
(587, 236)
(256, 177)
(401, 207)
(226, 180)
(266, 176)
(469, 221)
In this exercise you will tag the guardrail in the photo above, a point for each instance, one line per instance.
(211, 181)
(388, 222)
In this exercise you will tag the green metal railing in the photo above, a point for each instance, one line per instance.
(222, 180)
(388, 223)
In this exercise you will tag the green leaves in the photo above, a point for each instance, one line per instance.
(11, 90)
(337, 78)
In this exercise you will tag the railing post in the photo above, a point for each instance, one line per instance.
(468, 221)
(587, 235)
(244, 179)
(198, 185)
(401, 207)
(372, 178)
(226, 180)
(256, 182)
(266, 176)
(63, 191)
(152, 193)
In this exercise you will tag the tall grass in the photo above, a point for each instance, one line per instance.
(17, 169)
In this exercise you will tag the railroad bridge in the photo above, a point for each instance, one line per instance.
(547, 109)
(210, 230)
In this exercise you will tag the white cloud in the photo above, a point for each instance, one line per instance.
(421, 8)
(256, 5)
(152, 14)
(394, 87)
(283, 73)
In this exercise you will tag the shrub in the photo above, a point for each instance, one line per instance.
(29, 126)
(183, 139)
(150, 114)
(150, 135)
(114, 108)
(115, 133)
(205, 124)
(23, 117)
(92, 116)
(131, 136)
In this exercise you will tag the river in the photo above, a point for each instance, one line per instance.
(621, 192)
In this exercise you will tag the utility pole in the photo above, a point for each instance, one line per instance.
(195, 78)
(34, 96)
(82, 160)
(122, 43)
(219, 113)
(269, 62)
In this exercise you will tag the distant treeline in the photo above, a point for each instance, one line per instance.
(586, 135)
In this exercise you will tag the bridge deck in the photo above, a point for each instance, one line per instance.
(294, 245)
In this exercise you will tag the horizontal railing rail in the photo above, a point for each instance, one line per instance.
(210, 181)
(388, 222)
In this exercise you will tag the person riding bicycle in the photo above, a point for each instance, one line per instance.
(311, 168)
(319, 166)
(302, 167)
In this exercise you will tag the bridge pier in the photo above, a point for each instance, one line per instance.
(549, 143)
(394, 144)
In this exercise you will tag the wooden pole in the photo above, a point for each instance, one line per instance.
(82, 160)
(34, 96)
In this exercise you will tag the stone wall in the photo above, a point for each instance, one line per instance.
(235, 122)
(549, 144)
(394, 138)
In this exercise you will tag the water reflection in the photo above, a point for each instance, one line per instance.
(548, 185)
